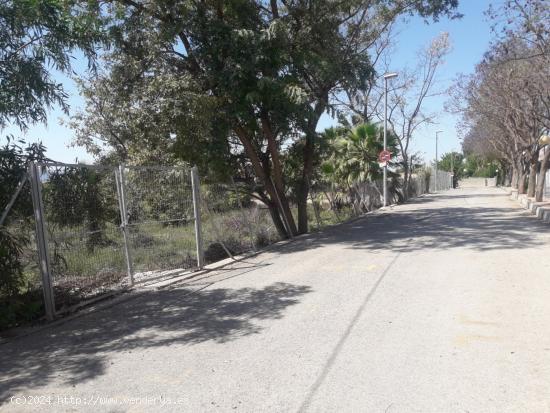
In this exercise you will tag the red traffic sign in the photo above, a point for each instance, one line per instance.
(384, 156)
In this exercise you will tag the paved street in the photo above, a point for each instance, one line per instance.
(439, 305)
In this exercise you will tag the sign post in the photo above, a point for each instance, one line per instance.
(383, 158)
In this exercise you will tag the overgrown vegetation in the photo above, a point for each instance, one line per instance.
(20, 294)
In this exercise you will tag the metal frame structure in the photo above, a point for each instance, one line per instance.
(42, 239)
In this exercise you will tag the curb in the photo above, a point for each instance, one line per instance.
(541, 210)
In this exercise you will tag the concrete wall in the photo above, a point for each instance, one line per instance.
(477, 182)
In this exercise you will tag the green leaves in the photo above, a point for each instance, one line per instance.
(354, 156)
(35, 37)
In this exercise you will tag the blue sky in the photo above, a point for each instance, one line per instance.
(470, 38)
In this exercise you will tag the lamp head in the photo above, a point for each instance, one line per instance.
(544, 140)
(390, 75)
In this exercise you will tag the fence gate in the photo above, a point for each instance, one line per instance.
(100, 228)
(82, 246)
(159, 219)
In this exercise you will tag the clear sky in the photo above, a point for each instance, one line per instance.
(470, 38)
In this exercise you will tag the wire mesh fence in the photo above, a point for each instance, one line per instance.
(233, 221)
(99, 229)
(159, 219)
(84, 241)
(440, 180)
(330, 203)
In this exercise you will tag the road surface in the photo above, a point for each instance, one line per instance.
(439, 305)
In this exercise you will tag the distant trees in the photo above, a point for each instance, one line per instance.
(407, 100)
(452, 162)
(407, 96)
(506, 103)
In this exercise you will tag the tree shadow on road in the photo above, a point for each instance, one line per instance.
(420, 227)
(79, 349)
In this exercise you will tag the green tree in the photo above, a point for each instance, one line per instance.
(15, 232)
(452, 162)
(81, 197)
(271, 69)
(355, 153)
(37, 36)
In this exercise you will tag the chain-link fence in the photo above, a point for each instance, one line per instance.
(234, 221)
(440, 180)
(100, 229)
(330, 204)
(160, 224)
(83, 239)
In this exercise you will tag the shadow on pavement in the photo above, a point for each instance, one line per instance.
(78, 350)
(433, 227)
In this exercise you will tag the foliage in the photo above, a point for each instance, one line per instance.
(18, 299)
(354, 156)
(479, 166)
(81, 196)
(407, 95)
(265, 73)
(506, 103)
(452, 162)
(14, 158)
(35, 37)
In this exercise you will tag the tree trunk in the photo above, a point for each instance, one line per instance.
(521, 182)
(514, 180)
(522, 174)
(406, 178)
(539, 193)
(303, 189)
(279, 202)
(279, 225)
(532, 179)
(277, 172)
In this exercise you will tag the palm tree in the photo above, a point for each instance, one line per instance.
(355, 153)
(354, 158)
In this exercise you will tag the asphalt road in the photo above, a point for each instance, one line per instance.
(440, 305)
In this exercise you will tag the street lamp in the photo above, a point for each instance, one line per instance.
(387, 76)
(452, 169)
(436, 160)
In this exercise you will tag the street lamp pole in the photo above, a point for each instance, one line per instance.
(436, 157)
(452, 169)
(386, 77)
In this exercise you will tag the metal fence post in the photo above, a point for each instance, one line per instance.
(42, 241)
(13, 198)
(121, 192)
(195, 184)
